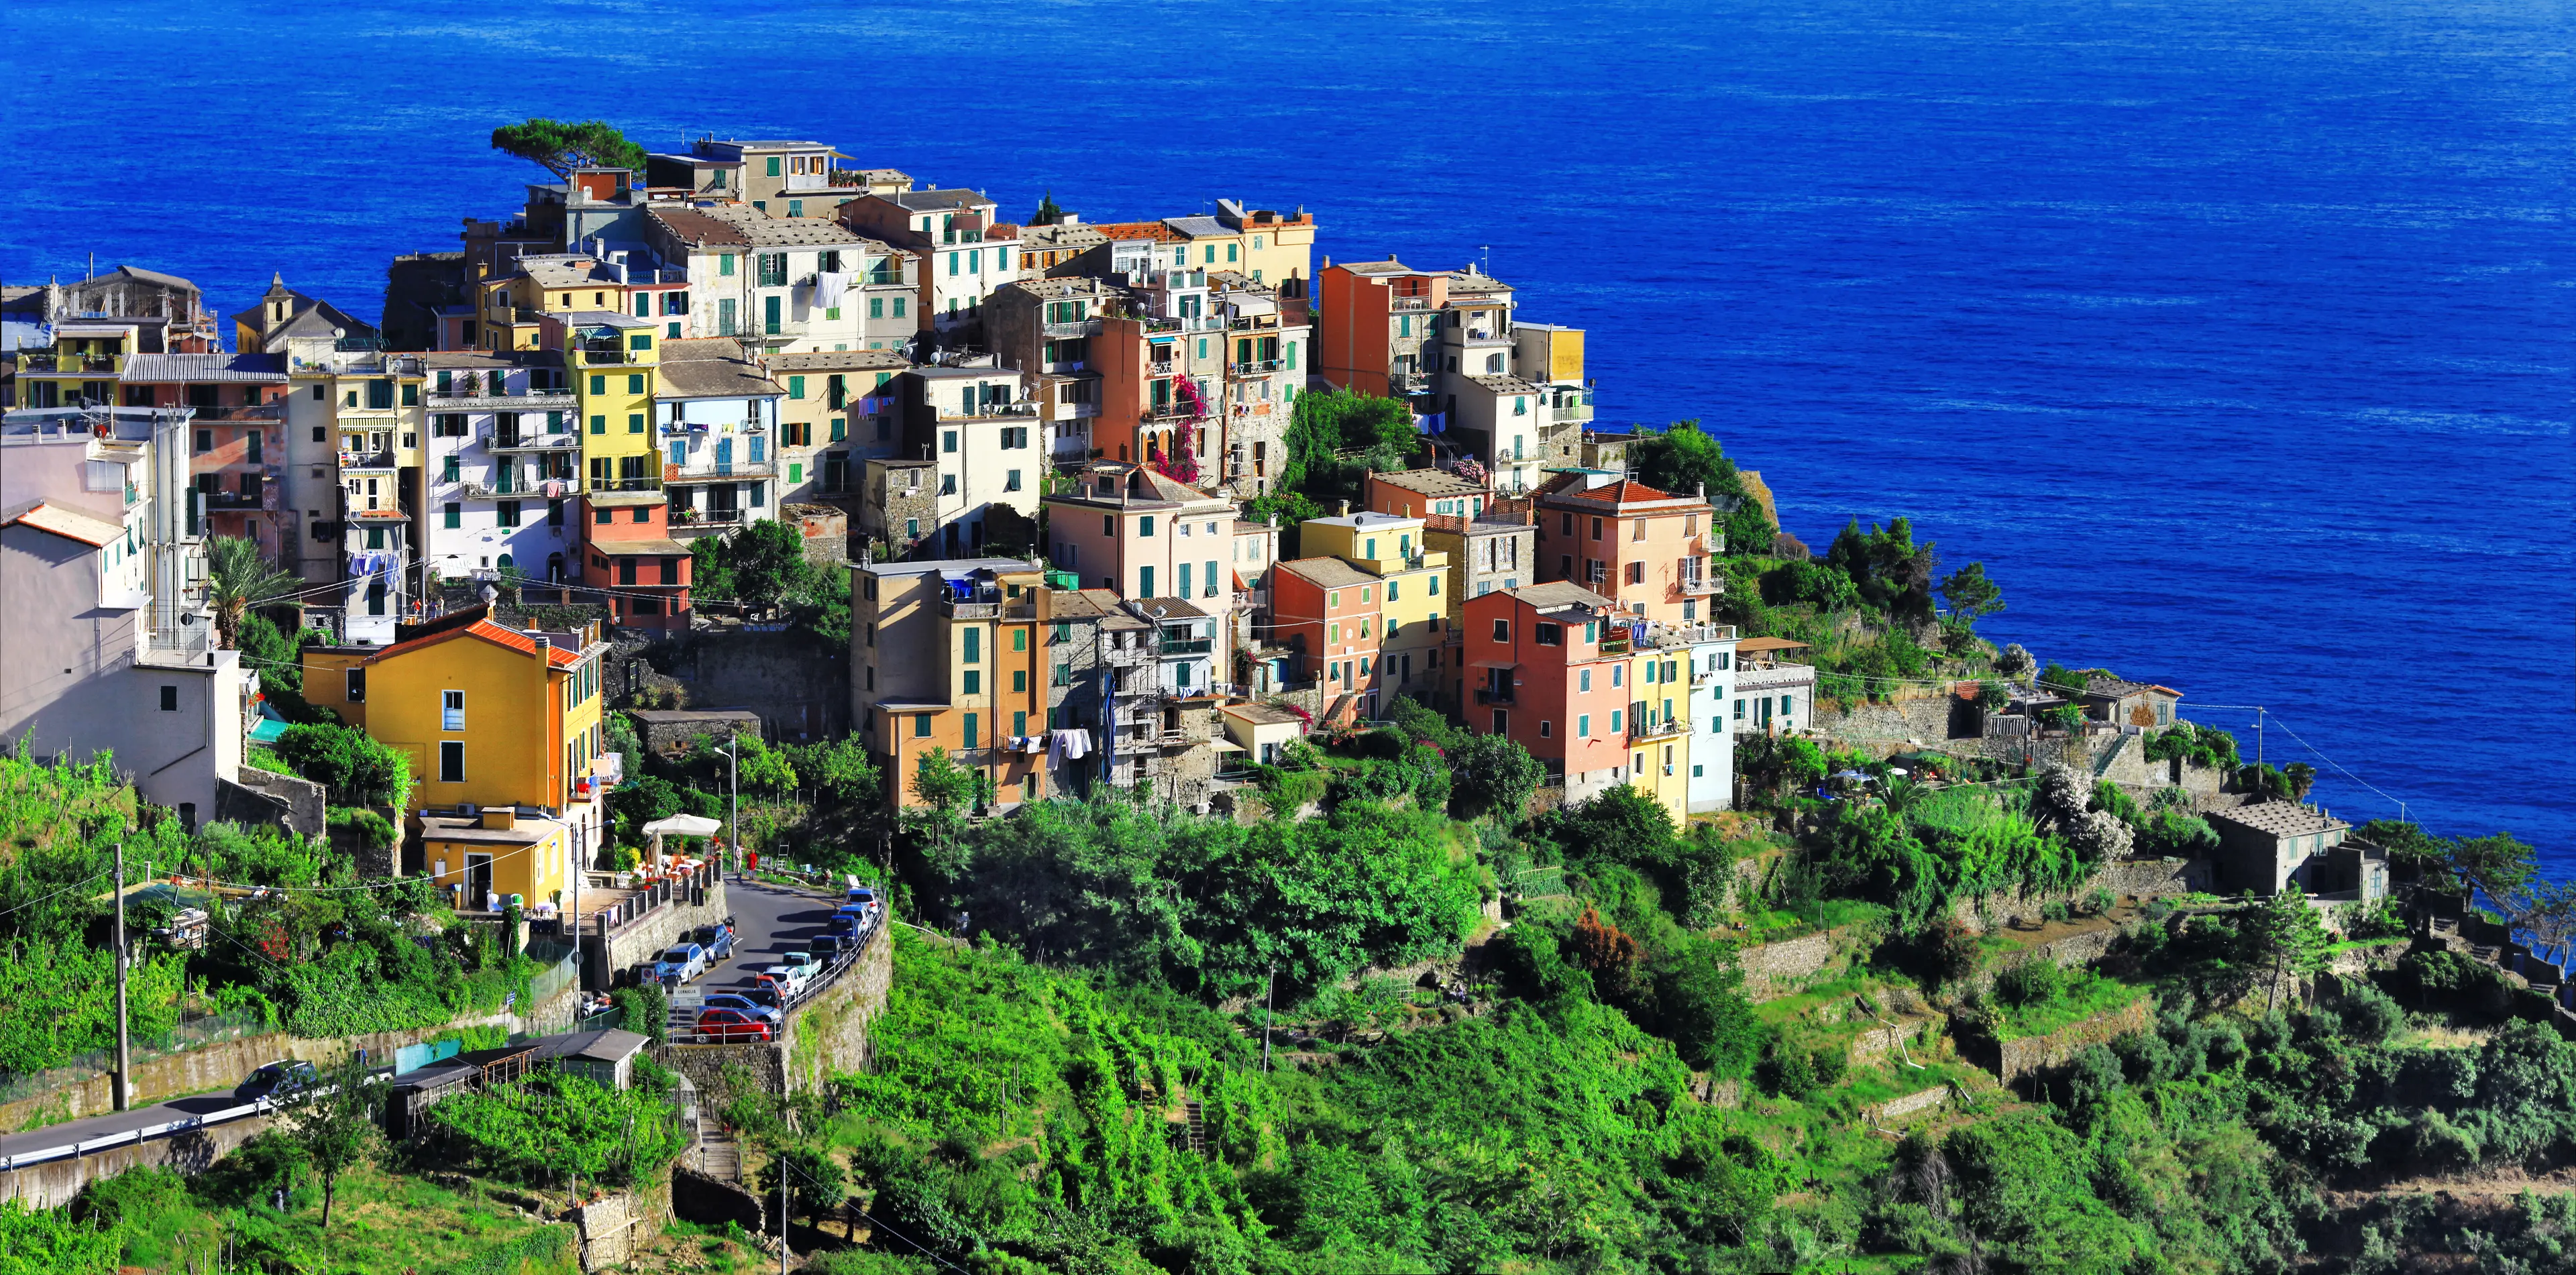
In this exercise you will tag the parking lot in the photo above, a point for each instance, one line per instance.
(769, 922)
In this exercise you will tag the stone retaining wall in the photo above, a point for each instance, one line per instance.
(829, 1033)
(1909, 1037)
(54, 1183)
(1895, 1109)
(224, 1064)
(616, 1227)
(1772, 970)
(666, 924)
(2012, 1060)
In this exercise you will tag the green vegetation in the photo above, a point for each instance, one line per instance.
(1684, 458)
(1335, 438)
(560, 146)
(553, 1125)
(348, 762)
(763, 566)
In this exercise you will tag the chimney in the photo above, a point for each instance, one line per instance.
(1345, 510)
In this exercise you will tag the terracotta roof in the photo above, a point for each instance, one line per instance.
(1432, 482)
(712, 367)
(1264, 714)
(693, 225)
(70, 524)
(556, 656)
(838, 361)
(1154, 230)
(1626, 491)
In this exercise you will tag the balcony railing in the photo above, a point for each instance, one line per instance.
(1254, 367)
(1077, 328)
(1407, 383)
(1188, 646)
(1494, 695)
(1409, 303)
(1701, 586)
(1645, 728)
(532, 400)
(595, 356)
(1570, 412)
(719, 472)
(219, 500)
(694, 517)
(523, 441)
(1615, 645)
(367, 460)
(636, 483)
(1024, 407)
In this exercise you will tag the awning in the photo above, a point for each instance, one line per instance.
(1228, 746)
(1493, 663)
(684, 826)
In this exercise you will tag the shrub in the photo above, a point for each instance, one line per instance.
(348, 762)
(1787, 1072)
(2033, 982)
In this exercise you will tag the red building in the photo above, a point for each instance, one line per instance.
(630, 559)
(1546, 665)
(237, 439)
(1326, 610)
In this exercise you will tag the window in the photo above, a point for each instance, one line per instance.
(507, 512)
(1615, 674)
(1583, 726)
(1011, 480)
(1615, 715)
(1551, 635)
(921, 726)
(1739, 710)
(454, 514)
(1637, 570)
(948, 441)
(974, 682)
(451, 710)
(169, 699)
(974, 645)
(1502, 630)
(634, 422)
(1145, 526)
(1784, 705)
(1583, 680)
(451, 761)
(795, 387)
(354, 687)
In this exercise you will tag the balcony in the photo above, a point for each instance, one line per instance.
(534, 400)
(635, 483)
(220, 500)
(1403, 383)
(1077, 328)
(1187, 646)
(366, 460)
(517, 491)
(1255, 367)
(600, 356)
(1646, 728)
(1570, 412)
(1125, 656)
(695, 517)
(1025, 407)
(523, 441)
(1494, 695)
(1701, 586)
(1615, 645)
(253, 412)
(719, 472)
(70, 363)
(1408, 303)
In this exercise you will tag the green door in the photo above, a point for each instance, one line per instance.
(769, 315)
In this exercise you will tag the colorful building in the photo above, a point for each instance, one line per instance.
(1548, 665)
(953, 655)
(1652, 552)
(1326, 611)
(502, 728)
(1413, 632)
(630, 563)
(614, 361)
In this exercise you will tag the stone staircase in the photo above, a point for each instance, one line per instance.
(719, 1156)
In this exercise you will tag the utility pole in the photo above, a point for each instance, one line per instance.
(124, 1043)
(1269, 1000)
(783, 1169)
(733, 819)
(2258, 734)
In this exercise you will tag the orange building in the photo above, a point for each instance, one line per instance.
(951, 655)
(1327, 610)
(628, 554)
(1547, 665)
(1651, 552)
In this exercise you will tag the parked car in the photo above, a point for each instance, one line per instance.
(862, 895)
(791, 974)
(681, 964)
(281, 1079)
(842, 926)
(763, 995)
(732, 1024)
(829, 947)
(741, 1003)
(717, 940)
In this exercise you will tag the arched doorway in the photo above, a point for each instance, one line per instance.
(554, 568)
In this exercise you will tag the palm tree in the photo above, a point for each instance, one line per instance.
(237, 579)
(1903, 796)
(2302, 777)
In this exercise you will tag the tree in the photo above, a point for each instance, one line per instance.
(1892, 573)
(49, 1242)
(237, 579)
(1684, 459)
(332, 1125)
(560, 146)
(765, 562)
(1493, 774)
(2285, 935)
(816, 1183)
(349, 762)
(1048, 213)
(2301, 777)
(1971, 596)
(941, 784)
(2499, 866)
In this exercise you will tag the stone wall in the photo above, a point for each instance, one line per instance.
(1895, 1109)
(790, 681)
(641, 938)
(1773, 970)
(1887, 727)
(671, 731)
(224, 1064)
(706, 1067)
(2012, 1060)
(710, 1202)
(53, 1183)
(828, 1033)
(1905, 1037)
(266, 797)
(618, 1226)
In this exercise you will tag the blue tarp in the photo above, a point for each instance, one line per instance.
(414, 1057)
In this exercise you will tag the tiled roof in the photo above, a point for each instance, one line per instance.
(1432, 482)
(556, 656)
(1264, 714)
(2280, 819)
(760, 230)
(693, 225)
(937, 200)
(254, 369)
(2120, 686)
(711, 367)
(1065, 237)
(839, 360)
(1504, 384)
(1200, 227)
(70, 524)
(1154, 230)
(1329, 573)
(1550, 597)
(1388, 266)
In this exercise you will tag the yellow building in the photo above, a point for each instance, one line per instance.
(1411, 609)
(1659, 727)
(503, 732)
(614, 361)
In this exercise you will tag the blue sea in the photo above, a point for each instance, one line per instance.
(2231, 335)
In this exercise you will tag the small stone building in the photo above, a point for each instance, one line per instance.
(2125, 703)
(2266, 846)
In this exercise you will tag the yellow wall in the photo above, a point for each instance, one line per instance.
(613, 398)
(535, 871)
(1646, 756)
(1565, 355)
(527, 734)
(1286, 252)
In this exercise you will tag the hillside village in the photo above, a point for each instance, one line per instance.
(768, 702)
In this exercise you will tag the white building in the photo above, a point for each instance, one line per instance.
(787, 283)
(717, 416)
(504, 460)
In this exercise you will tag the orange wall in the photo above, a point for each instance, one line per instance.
(1549, 690)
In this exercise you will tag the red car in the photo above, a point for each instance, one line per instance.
(731, 1025)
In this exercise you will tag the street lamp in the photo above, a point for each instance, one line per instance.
(733, 796)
